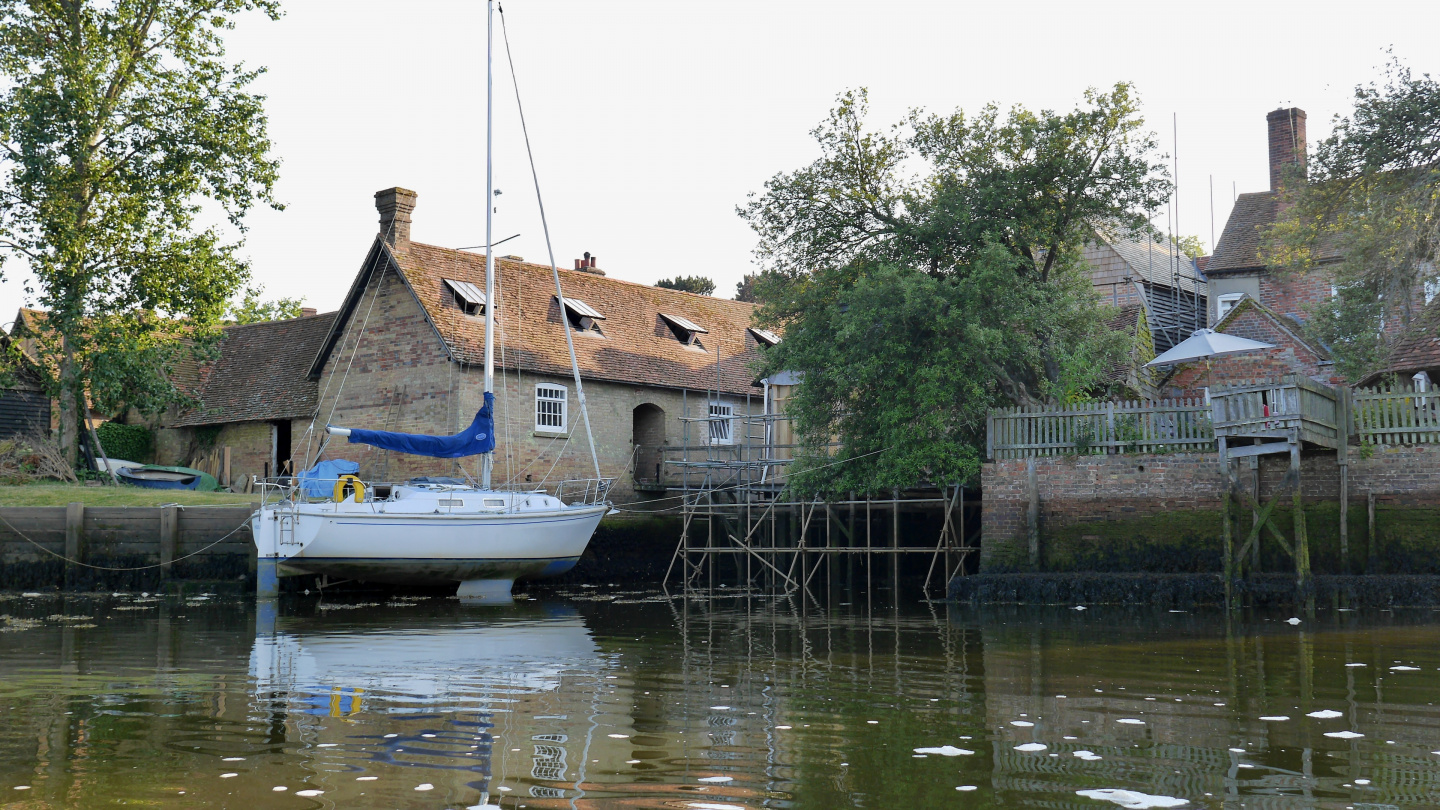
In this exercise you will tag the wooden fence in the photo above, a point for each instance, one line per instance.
(1101, 428)
(1396, 414)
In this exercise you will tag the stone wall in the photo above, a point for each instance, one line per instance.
(1161, 513)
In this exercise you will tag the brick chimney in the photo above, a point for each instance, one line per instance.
(587, 265)
(308, 312)
(1287, 142)
(395, 205)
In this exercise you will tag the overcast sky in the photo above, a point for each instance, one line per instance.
(652, 119)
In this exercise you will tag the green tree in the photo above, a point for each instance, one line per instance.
(120, 119)
(745, 288)
(252, 309)
(1370, 213)
(691, 284)
(925, 275)
(1192, 246)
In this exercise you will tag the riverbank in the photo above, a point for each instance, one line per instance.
(1184, 591)
(52, 494)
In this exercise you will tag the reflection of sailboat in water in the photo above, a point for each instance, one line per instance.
(404, 667)
(431, 693)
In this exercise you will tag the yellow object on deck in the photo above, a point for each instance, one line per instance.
(352, 481)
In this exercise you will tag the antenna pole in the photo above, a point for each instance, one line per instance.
(489, 460)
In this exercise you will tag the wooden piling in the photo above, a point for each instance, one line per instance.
(74, 543)
(1032, 513)
(1227, 523)
(1372, 539)
(1304, 584)
(169, 538)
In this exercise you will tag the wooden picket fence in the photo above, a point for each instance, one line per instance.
(1100, 428)
(1394, 414)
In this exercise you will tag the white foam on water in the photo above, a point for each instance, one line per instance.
(720, 708)
(1130, 799)
(1355, 665)
(427, 735)
(327, 745)
(279, 788)
(366, 778)
(22, 787)
(1362, 781)
(872, 722)
(1244, 765)
(948, 751)
(388, 736)
(632, 762)
(918, 756)
(1062, 697)
(1237, 750)
(1292, 621)
(713, 806)
(1276, 718)
(619, 736)
(965, 788)
(1031, 747)
(784, 728)
(717, 780)
(1130, 721)
(1343, 735)
(1070, 738)
(228, 775)
(31, 595)
(1022, 723)
(1079, 607)
(425, 786)
(309, 792)
(1325, 714)
(1085, 755)
(1404, 669)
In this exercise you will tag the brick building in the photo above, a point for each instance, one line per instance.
(405, 352)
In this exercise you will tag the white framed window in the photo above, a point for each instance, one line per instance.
(1225, 303)
(722, 430)
(551, 408)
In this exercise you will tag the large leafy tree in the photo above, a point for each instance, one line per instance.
(1370, 213)
(119, 120)
(927, 273)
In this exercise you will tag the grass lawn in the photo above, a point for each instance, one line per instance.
(55, 494)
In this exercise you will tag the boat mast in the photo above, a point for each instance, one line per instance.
(489, 460)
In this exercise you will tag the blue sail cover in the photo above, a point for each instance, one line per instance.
(472, 441)
(319, 481)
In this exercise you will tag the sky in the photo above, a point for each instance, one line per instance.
(651, 120)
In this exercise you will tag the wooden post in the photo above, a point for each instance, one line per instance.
(1343, 459)
(1304, 584)
(74, 543)
(1227, 529)
(1372, 538)
(1032, 513)
(169, 538)
(895, 544)
(225, 482)
(1255, 515)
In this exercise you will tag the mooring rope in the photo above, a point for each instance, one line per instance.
(27, 539)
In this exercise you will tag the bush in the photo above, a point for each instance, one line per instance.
(127, 442)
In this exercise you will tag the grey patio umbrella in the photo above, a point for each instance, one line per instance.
(1204, 344)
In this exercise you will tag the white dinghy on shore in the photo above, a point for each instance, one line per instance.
(433, 531)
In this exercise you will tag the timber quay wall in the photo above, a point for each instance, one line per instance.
(153, 548)
(1053, 523)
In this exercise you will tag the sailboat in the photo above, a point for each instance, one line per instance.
(432, 531)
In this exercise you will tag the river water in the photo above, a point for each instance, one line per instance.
(594, 699)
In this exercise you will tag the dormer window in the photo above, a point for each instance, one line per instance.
(582, 316)
(469, 298)
(764, 336)
(686, 330)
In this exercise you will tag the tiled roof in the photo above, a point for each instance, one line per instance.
(634, 344)
(1419, 348)
(261, 373)
(1154, 262)
(1239, 245)
(1287, 325)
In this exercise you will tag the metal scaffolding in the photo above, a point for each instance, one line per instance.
(743, 528)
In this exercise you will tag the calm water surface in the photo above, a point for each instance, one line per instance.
(600, 700)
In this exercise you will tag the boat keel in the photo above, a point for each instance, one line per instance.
(489, 591)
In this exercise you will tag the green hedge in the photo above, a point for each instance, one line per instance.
(127, 442)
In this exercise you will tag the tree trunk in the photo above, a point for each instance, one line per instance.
(70, 404)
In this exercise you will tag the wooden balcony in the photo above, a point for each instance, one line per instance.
(1292, 408)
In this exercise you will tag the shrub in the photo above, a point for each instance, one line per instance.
(127, 442)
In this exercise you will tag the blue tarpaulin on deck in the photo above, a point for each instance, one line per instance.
(319, 481)
(472, 441)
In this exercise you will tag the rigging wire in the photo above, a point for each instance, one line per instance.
(550, 250)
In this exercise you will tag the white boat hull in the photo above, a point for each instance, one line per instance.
(399, 544)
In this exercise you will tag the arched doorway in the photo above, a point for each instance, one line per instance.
(648, 436)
